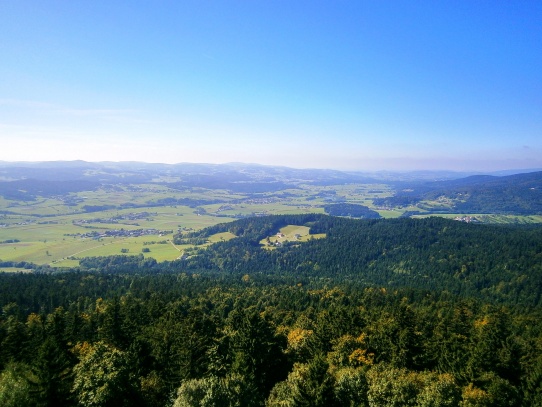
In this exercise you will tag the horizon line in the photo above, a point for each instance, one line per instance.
(240, 163)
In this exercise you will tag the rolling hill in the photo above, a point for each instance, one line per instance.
(518, 194)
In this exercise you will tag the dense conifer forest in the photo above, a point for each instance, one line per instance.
(404, 312)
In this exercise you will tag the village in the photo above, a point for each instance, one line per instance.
(122, 233)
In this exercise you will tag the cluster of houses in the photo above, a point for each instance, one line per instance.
(124, 233)
(280, 235)
(261, 201)
(467, 219)
(224, 208)
(117, 218)
(24, 223)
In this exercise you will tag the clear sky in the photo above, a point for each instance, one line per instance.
(358, 85)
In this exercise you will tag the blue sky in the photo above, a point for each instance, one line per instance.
(357, 85)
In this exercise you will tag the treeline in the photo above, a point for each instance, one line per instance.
(351, 210)
(176, 339)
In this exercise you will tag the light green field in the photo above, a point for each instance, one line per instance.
(390, 214)
(13, 270)
(220, 237)
(290, 233)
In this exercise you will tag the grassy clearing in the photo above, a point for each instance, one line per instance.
(13, 270)
(220, 237)
(389, 214)
(290, 233)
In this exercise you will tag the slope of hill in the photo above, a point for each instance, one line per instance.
(497, 263)
(513, 194)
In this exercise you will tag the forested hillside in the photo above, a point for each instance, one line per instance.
(503, 264)
(426, 312)
(518, 194)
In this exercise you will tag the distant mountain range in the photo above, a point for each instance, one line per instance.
(133, 171)
(516, 193)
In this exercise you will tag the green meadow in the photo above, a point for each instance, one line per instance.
(290, 233)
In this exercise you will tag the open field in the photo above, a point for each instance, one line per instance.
(221, 237)
(45, 239)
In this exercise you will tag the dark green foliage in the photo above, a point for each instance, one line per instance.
(103, 377)
(229, 391)
(396, 340)
(51, 370)
(405, 312)
(256, 352)
(351, 387)
(189, 329)
(316, 387)
(13, 334)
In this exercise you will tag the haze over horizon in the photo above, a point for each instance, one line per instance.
(345, 85)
